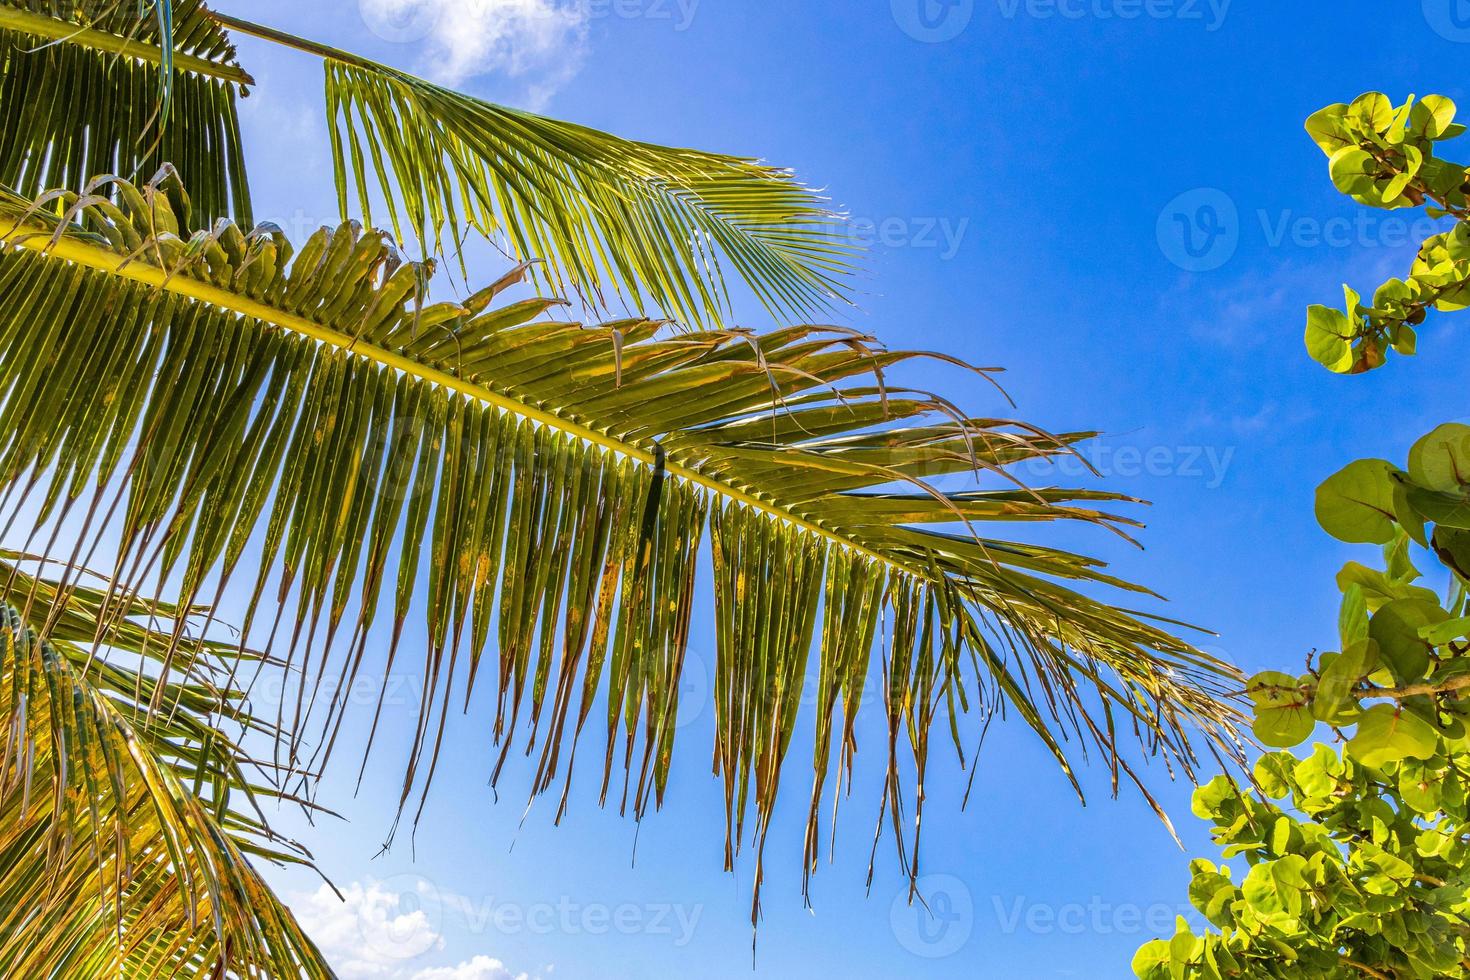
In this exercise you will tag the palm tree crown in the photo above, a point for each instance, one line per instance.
(220, 410)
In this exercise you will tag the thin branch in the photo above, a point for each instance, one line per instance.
(1451, 686)
(1364, 968)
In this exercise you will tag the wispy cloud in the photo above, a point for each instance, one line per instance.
(540, 43)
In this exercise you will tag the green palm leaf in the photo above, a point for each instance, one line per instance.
(537, 494)
(124, 848)
(117, 86)
(652, 224)
(615, 219)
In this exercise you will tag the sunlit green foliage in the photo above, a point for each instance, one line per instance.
(1384, 156)
(1358, 857)
(555, 480)
(520, 499)
(125, 837)
(1355, 853)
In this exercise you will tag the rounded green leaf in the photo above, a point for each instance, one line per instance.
(1373, 111)
(1419, 788)
(1319, 774)
(1273, 773)
(1214, 797)
(1352, 618)
(1397, 628)
(1212, 893)
(1283, 709)
(1327, 128)
(1445, 508)
(1329, 338)
(1387, 734)
(1441, 460)
(1182, 947)
(1284, 727)
(1276, 886)
(1341, 675)
(1356, 503)
(1452, 546)
(1272, 687)
(1434, 115)
(1151, 962)
(1408, 516)
(1351, 169)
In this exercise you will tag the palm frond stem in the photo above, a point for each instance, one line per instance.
(40, 239)
(301, 44)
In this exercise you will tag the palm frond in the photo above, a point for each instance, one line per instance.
(552, 483)
(123, 847)
(615, 219)
(118, 86)
(653, 224)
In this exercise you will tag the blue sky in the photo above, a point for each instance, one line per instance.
(1115, 200)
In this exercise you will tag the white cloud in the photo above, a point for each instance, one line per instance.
(479, 968)
(374, 930)
(540, 42)
(384, 930)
